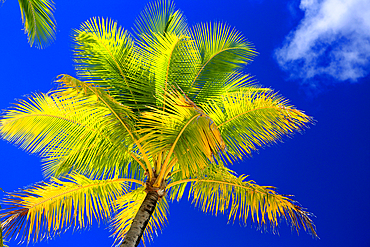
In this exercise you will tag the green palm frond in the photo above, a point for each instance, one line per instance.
(38, 20)
(45, 209)
(127, 207)
(173, 61)
(229, 84)
(223, 50)
(160, 17)
(69, 132)
(182, 129)
(105, 54)
(248, 120)
(166, 46)
(218, 190)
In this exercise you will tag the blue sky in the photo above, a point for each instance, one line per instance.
(315, 53)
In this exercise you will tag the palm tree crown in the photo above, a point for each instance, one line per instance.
(151, 116)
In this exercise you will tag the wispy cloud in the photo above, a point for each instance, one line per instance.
(333, 39)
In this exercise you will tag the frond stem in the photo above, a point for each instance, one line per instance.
(159, 162)
(170, 166)
(138, 161)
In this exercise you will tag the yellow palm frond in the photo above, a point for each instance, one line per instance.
(47, 208)
(70, 87)
(250, 119)
(184, 130)
(69, 132)
(123, 115)
(218, 190)
(127, 207)
(38, 20)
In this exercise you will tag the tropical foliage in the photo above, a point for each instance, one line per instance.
(152, 116)
(38, 20)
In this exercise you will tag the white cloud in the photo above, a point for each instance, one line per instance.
(332, 39)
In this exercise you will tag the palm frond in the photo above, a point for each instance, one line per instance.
(184, 130)
(165, 44)
(229, 84)
(121, 113)
(160, 17)
(218, 190)
(223, 50)
(173, 61)
(127, 207)
(38, 20)
(105, 54)
(69, 132)
(47, 208)
(251, 119)
(70, 87)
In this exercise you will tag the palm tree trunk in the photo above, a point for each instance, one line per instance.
(141, 220)
(1, 236)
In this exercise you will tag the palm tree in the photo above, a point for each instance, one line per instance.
(152, 116)
(38, 20)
